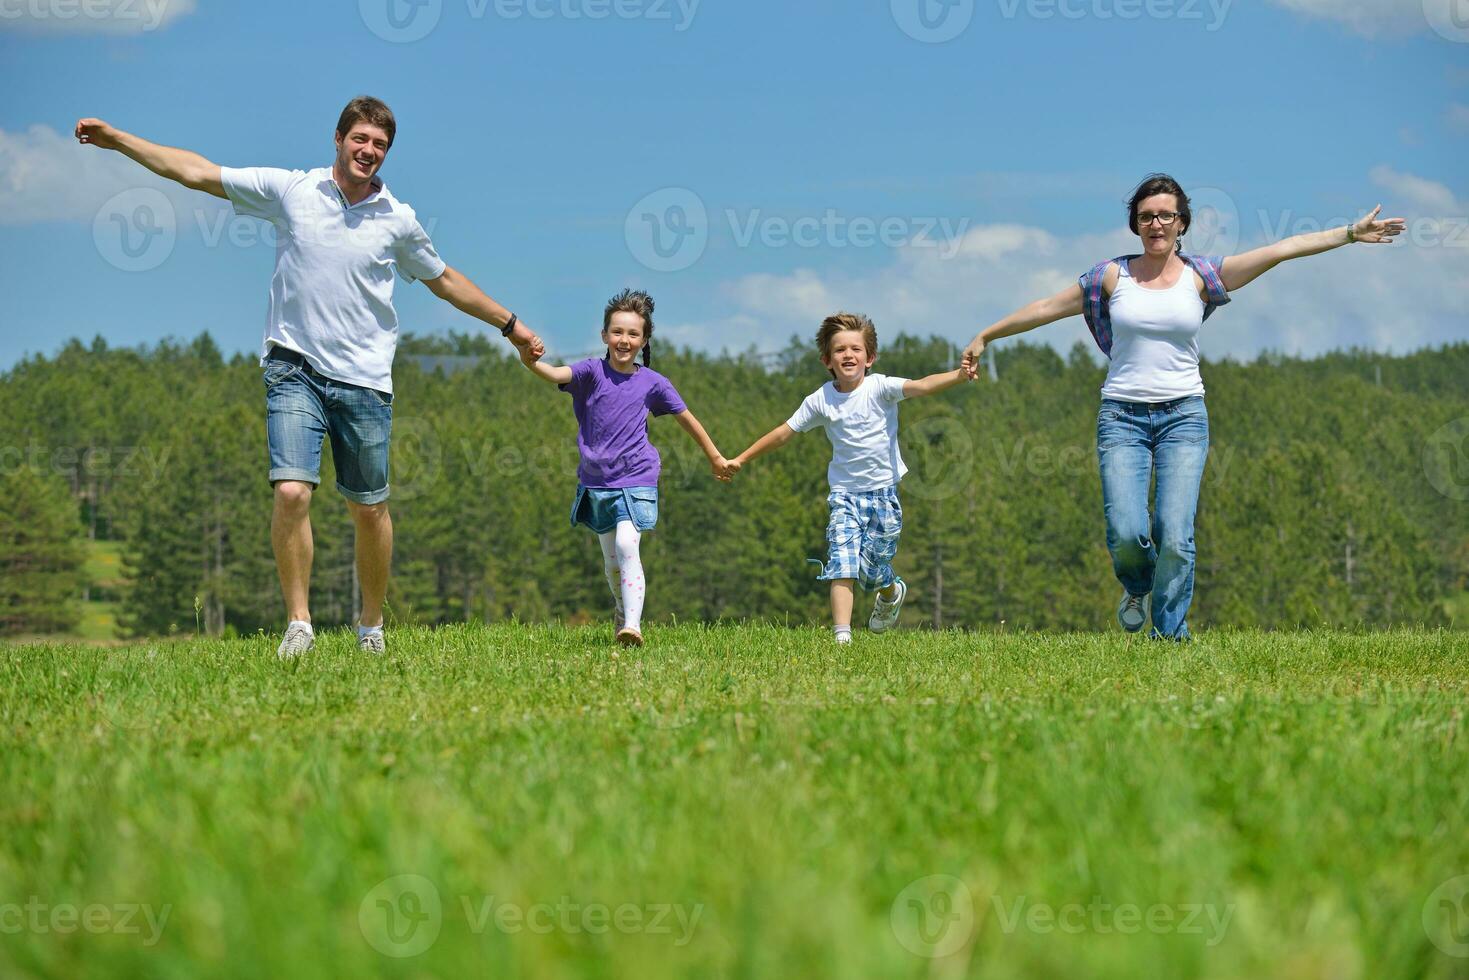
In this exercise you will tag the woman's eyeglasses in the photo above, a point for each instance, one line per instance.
(1164, 218)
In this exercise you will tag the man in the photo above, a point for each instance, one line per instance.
(330, 335)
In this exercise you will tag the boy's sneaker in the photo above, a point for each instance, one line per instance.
(885, 613)
(630, 637)
(1132, 612)
(372, 640)
(298, 639)
(842, 635)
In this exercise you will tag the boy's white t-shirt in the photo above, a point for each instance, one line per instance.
(863, 428)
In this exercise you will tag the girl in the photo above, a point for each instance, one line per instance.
(617, 481)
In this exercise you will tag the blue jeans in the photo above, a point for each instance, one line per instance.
(1154, 553)
(303, 407)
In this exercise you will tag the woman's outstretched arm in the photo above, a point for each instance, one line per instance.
(1068, 302)
(1241, 270)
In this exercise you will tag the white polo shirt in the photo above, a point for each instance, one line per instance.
(862, 425)
(331, 295)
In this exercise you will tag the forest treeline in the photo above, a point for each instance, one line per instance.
(1335, 493)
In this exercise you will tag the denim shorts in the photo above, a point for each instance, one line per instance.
(303, 408)
(600, 508)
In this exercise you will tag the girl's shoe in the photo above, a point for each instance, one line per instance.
(629, 637)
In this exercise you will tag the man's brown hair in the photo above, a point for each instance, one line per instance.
(838, 322)
(366, 109)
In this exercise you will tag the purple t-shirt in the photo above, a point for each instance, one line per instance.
(612, 422)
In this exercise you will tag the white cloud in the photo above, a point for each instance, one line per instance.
(1370, 18)
(92, 16)
(1418, 193)
(1397, 297)
(49, 176)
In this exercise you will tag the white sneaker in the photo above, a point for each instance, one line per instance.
(884, 613)
(372, 642)
(1132, 611)
(843, 638)
(298, 639)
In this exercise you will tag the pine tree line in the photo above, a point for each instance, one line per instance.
(1332, 494)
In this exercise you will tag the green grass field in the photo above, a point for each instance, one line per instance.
(739, 801)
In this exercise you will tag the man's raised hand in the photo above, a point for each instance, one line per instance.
(97, 133)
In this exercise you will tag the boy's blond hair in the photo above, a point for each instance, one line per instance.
(838, 322)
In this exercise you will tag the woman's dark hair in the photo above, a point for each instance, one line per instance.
(1160, 184)
(633, 301)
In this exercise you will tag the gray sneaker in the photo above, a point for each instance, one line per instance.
(373, 642)
(1132, 612)
(884, 613)
(298, 639)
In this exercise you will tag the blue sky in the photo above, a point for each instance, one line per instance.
(825, 155)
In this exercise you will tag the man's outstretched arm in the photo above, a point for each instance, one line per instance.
(456, 289)
(184, 166)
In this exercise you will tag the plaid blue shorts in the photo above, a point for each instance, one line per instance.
(862, 536)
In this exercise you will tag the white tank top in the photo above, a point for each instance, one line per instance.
(1155, 340)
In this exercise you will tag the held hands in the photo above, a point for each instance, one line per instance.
(97, 133)
(527, 344)
(1371, 231)
(969, 362)
(724, 469)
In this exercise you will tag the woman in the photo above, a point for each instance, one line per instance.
(1145, 312)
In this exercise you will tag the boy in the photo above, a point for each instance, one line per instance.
(859, 412)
